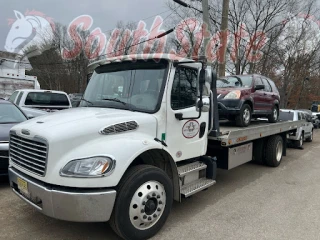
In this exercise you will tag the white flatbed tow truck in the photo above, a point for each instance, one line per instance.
(146, 133)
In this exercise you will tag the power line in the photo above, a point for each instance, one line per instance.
(126, 48)
(142, 19)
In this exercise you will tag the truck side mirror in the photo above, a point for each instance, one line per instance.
(202, 81)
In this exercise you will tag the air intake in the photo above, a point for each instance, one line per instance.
(120, 127)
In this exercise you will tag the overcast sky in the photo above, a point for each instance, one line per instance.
(105, 13)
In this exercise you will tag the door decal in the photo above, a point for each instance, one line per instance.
(190, 129)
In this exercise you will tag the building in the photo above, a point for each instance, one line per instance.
(13, 63)
(13, 76)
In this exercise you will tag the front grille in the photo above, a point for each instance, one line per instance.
(29, 154)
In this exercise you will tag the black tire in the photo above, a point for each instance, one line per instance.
(273, 151)
(310, 139)
(274, 116)
(136, 177)
(299, 143)
(257, 155)
(243, 120)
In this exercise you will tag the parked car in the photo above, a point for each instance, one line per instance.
(315, 117)
(242, 97)
(10, 115)
(39, 102)
(303, 133)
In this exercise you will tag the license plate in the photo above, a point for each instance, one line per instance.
(23, 186)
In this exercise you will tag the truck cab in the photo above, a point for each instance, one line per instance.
(146, 133)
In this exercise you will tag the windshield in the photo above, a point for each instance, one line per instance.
(10, 114)
(133, 86)
(234, 81)
(46, 99)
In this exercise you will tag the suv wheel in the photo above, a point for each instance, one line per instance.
(299, 143)
(274, 115)
(244, 118)
(309, 139)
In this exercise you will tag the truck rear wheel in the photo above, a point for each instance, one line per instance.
(143, 204)
(273, 151)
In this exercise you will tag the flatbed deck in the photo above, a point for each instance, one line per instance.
(233, 135)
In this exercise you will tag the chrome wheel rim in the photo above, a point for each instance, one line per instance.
(147, 205)
(301, 141)
(311, 136)
(246, 115)
(275, 114)
(279, 150)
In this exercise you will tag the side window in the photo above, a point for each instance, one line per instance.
(299, 116)
(184, 88)
(258, 81)
(19, 98)
(13, 96)
(302, 116)
(274, 87)
(267, 87)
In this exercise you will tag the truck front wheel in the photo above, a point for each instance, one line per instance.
(143, 204)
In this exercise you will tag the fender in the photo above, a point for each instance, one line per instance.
(248, 98)
(276, 102)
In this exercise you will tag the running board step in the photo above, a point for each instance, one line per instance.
(192, 167)
(196, 186)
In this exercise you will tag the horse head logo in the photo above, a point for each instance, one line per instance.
(33, 29)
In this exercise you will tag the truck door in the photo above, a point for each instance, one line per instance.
(186, 138)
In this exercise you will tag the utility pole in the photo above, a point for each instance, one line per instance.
(205, 15)
(224, 36)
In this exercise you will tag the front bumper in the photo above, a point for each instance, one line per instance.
(69, 204)
(229, 107)
(4, 158)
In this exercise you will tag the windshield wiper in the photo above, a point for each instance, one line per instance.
(115, 100)
(82, 99)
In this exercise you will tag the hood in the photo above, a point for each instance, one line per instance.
(78, 122)
(225, 91)
(4, 131)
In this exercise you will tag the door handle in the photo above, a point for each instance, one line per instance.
(264, 94)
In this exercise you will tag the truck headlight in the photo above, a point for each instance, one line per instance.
(88, 167)
(233, 95)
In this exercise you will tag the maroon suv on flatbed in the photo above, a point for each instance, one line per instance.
(243, 97)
